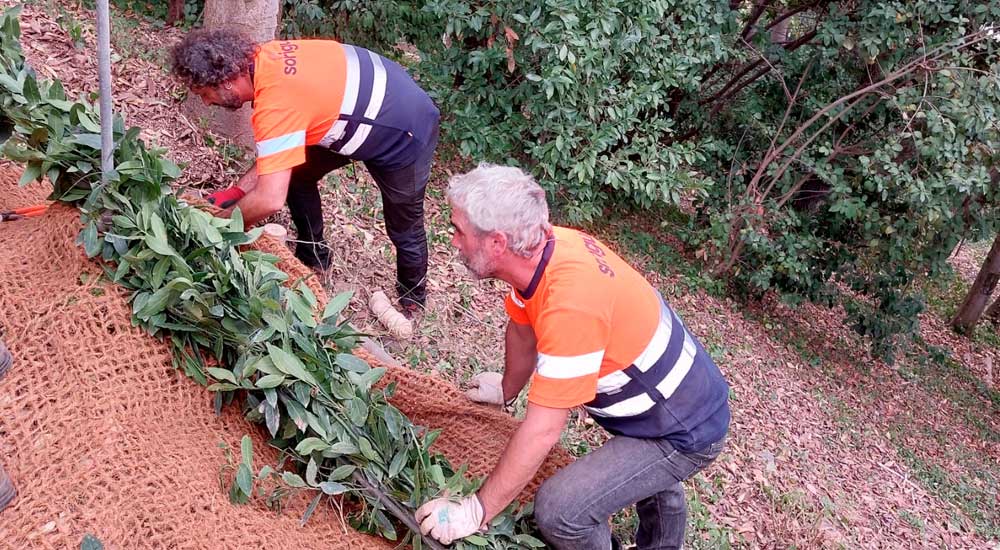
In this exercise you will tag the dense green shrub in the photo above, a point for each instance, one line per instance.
(825, 145)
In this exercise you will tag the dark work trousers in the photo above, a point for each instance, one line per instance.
(402, 206)
(573, 506)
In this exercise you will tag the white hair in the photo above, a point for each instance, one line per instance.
(504, 199)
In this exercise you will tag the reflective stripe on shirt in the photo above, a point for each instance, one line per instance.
(554, 366)
(355, 87)
(635, 397)
(281, 143)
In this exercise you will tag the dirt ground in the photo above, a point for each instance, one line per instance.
(829, 448)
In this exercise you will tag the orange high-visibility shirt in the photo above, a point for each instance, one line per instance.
(592, 315)
(342, 97)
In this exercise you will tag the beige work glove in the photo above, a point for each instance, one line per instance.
(446, 520)
(486, 388)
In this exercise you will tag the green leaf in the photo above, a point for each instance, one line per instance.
(290, 364)
(369, 378)
(244, 478)
(301, 308)
(159, 246)
(236, 221)
(91, 244)
(237, 496)
(398, 463)
(155, 303)
(341, 448)
(246, 450)
(393, 421)
(301, 392)
(310, 298)
(311, 470)
(297, 414)
(222, 374)
(352, 363)
(170, 169)
(249, 365)
(437, 475)
(316, 425)
(357, 411)
(476, 539)
(271, 396)
(272, 419)
(342, 472)
(311, 444)
(159, 272)
(89, 123)
(310, 509)
(337, 304)
(529, 540)
(292, 479)
(367, 450)
(333, 488)
(275, 321)
(90, 140)
(32, 172)
(270, 381)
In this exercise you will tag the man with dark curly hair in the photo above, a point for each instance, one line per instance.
(318, 105)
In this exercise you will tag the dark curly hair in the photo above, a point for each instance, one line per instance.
(209, 57)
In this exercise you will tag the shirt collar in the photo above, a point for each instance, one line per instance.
(527, 293)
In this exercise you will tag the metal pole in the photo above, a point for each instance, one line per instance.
(104, 76)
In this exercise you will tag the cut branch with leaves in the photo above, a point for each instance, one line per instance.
(235, 323)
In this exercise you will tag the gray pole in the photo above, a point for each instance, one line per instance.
(104, 76)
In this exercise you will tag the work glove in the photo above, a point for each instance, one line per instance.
(226, 197)
(486, 388)
(446, 520)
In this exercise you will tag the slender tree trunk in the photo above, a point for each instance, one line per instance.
(993, 312)
(175, 11)
(258, 20)
(975, 301)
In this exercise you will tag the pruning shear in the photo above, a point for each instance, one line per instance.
(26, 212)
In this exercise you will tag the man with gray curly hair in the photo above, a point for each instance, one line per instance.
(517, 209)
(588, 330)
(317, 106)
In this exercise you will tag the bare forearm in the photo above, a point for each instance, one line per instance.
(248, 181)
(255, 207)
(265, 196)
(520, 359)
(524, 454)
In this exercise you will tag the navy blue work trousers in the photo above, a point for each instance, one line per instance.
(402, 192)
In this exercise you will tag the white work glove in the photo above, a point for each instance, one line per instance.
(447, 521)
(486, 388)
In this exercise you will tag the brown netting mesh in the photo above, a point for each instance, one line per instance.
(102, 436)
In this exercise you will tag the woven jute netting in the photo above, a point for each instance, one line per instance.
(102, 436)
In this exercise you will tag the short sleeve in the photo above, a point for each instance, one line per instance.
(571, 346)
(515, 309)
(280, 135)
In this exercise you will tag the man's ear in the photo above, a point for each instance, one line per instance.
(497, 242)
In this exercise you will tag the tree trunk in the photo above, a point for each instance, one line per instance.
(256, 19)
(993, 312)
(975, 301)
(175, 11)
